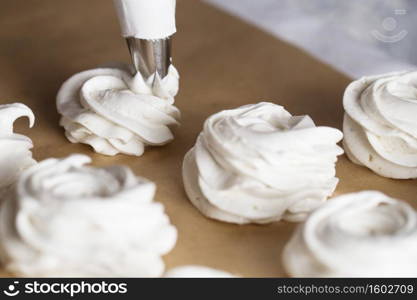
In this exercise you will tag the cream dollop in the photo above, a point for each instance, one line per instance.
(380, 125)
(68, 219)
(258, 164)
(117, 113)
(194, 271)
(366, 234)
(15, 149)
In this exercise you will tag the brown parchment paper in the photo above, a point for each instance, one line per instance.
(224, 63)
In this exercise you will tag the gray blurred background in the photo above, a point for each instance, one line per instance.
(357, 37)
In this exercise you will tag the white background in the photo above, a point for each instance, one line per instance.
(339, 32)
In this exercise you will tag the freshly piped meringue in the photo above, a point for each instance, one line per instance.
(193, 271)
(258, 164)
(366, 234)
(15, 153)
(115, 113)
(380, 125)
(67, 219)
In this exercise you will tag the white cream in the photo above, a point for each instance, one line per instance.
(366, 234)
(258, 164)
(117, 113)
(380, 125)
(146, 19)
(193, 271)
(15, 153)
(68, 219)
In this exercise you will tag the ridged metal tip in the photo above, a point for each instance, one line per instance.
(150, 56)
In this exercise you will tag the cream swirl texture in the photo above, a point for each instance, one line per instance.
(68, 219)
(15, 149)
(194, 271)
(380, 125)
(366, 234)
(258, 164)
(115, 112)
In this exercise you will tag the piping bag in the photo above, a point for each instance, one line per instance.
(147, 26)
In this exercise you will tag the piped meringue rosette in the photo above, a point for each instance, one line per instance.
(68, 219)
(380, 125)
(258, 164)
(115, 112)
(366, 234)
(194, 271)
(15, 149)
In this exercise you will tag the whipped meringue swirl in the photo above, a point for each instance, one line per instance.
(366, 234)
(194, 271)
(114, 112)
(15, 149)
(258, 164)
(380, 125)
(68, 219)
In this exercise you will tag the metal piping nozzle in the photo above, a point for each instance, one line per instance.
(150, 56)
